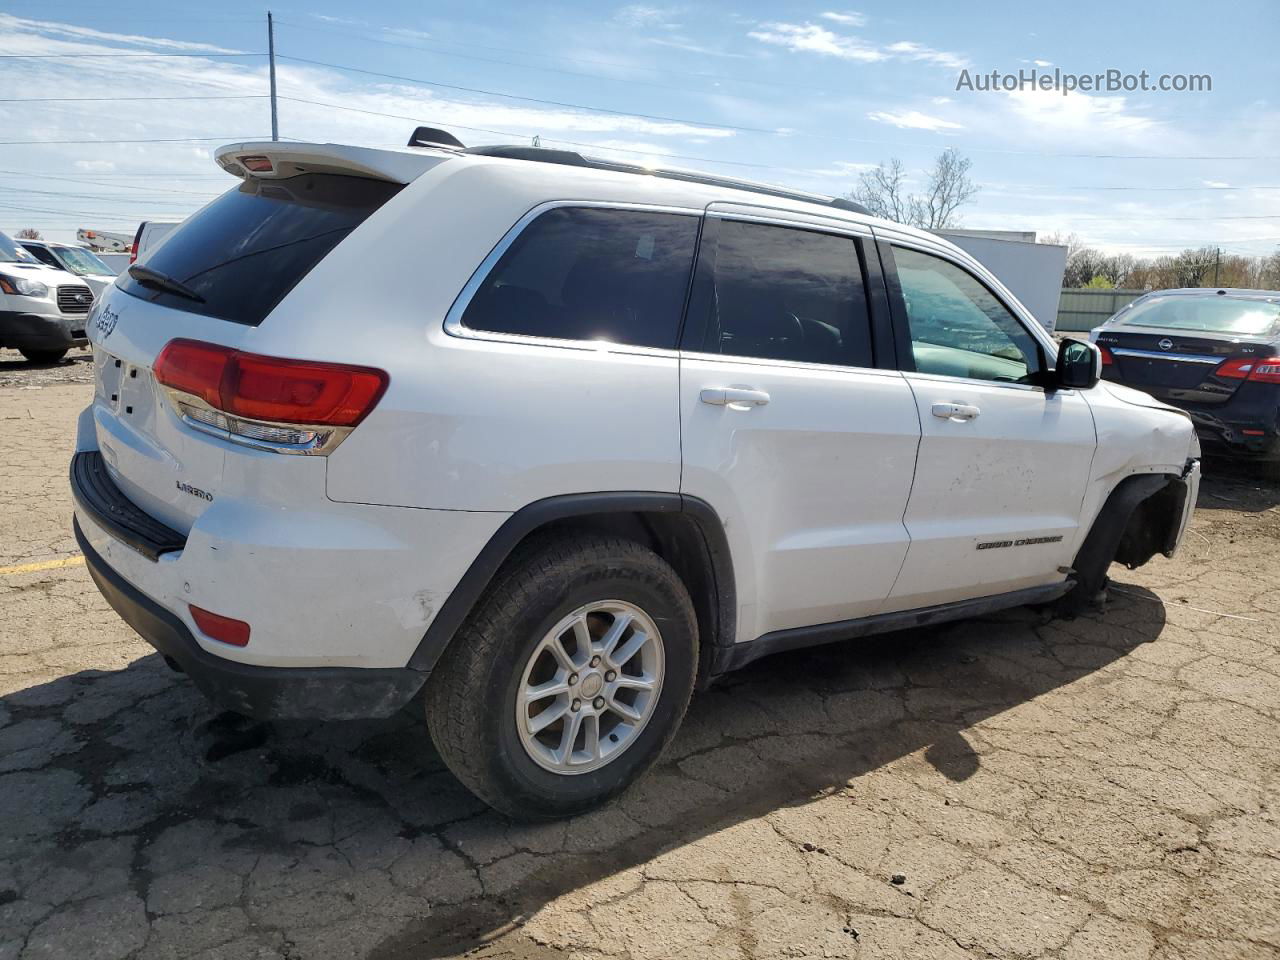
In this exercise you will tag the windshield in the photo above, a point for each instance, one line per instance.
(10, 252)
(1213, 313)
(82, 262)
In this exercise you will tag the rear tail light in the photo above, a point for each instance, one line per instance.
(225, 629)
(1254, 369)
(1107, 359)
(270, 400)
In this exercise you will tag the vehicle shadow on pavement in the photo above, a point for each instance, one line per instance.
(351, 839)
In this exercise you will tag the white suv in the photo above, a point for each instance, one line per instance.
(561, 439)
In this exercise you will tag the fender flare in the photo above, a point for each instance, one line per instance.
(1103, 540)
(464, 597)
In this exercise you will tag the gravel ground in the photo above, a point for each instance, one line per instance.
(1100, 788)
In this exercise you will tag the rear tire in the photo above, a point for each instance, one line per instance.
(43, 356)
(528, 632)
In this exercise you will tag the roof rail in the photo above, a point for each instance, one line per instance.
(574, 159)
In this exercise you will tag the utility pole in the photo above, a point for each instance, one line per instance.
(1217, 259)
(271, 66)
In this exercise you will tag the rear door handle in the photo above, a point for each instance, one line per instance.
(733, 397)
(955, 411)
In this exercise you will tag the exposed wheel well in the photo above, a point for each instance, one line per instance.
(1138, 520)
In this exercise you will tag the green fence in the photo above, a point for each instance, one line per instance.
(1084, 308)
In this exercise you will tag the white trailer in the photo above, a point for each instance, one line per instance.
(1032, 271)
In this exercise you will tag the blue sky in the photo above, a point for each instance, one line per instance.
(797, 93)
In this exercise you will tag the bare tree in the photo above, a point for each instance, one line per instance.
(28, 233)
(883, 191)
(949, 189)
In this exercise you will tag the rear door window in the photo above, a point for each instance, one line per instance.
(780, 293)
(246, 250)
(586, 273)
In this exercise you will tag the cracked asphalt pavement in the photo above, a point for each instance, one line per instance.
(1008, 787)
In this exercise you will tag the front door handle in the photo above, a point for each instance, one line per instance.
(955, 411)
(737, 397)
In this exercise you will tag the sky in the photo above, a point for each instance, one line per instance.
(111, 112)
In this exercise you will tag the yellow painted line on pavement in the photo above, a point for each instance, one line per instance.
(44, 565)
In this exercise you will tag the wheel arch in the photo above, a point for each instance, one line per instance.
(685, 531)
(1139, 519)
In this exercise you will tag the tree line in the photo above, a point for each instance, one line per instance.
(1204, 267)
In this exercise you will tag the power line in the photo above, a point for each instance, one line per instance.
(106, 198)
(97, 215)
(29, 143)
(110, 56)
(521, 136)
(241, 96)
(512, 96)
(657, 118)
(678, 156)
(546, 69)
(100, 183)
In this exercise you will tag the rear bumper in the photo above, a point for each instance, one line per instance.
(36, 331)
(323, 693)
(1227, 436)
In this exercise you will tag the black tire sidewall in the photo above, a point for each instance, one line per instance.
(521, 779)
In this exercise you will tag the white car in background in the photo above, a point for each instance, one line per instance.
(149, 235)
(559, 439)
(78, 261)
(42, 308)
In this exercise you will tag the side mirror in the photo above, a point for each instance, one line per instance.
(1079, 364)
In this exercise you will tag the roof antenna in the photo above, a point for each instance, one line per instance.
(537, 141)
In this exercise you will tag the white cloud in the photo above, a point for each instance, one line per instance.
(346, 21)
(914, 120)
(1043, 63)
(815, 38)
(681, 43)
(24, 32)
(849, 18)
(812, 38)
(96, 166)
(641, 15)
(917, 51)
(1215, 183)
(1078, 115)
(839, 170)
(941, 101)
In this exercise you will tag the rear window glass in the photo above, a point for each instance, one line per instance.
(591, 274)
(246, 250)
(1212, 314)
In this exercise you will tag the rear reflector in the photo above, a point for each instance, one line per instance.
(1250, 368)
(270, 389)
(218, 627)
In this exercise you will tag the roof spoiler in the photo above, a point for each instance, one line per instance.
(434, 137)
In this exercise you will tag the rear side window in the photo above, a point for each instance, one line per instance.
(780, 293)
(582, 273)
(246, 250)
